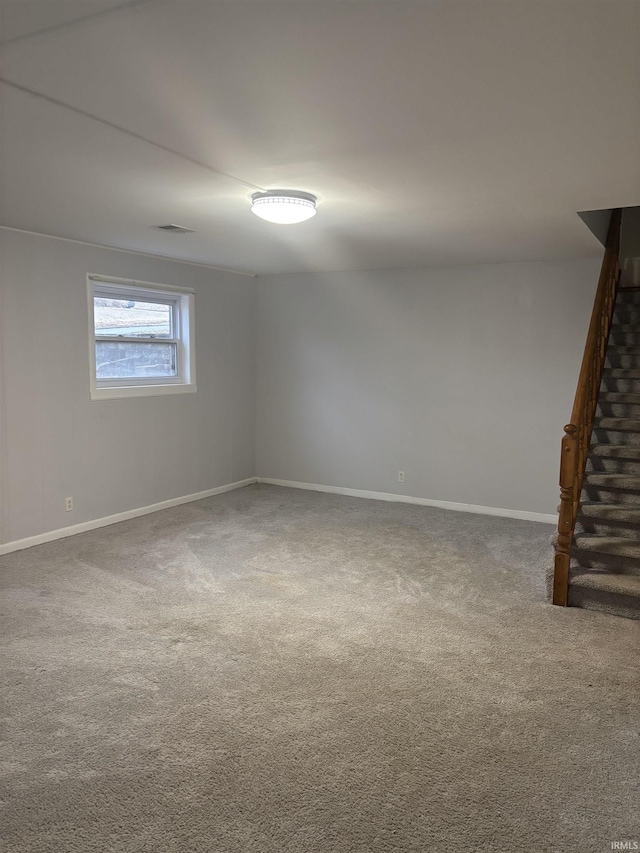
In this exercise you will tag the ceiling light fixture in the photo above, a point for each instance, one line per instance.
(285, 207)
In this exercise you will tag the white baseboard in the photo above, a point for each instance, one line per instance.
(407, 499)
(63, 532)
(83, 527)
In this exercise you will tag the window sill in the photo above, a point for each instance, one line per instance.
(126, 391)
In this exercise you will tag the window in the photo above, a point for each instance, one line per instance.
(140, 338)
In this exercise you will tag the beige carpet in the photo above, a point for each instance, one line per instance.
(278, 671)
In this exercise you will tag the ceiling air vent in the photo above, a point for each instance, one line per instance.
(177, 229)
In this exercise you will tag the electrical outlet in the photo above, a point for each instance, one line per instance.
(401, 476)
(68, 504)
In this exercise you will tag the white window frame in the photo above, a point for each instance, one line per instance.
(183, 336)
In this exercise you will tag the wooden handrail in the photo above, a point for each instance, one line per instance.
(575, 444)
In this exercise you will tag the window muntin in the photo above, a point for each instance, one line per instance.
(141, 339)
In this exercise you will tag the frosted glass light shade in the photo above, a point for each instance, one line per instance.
(284, 207)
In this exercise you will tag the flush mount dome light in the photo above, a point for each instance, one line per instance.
(284, 207)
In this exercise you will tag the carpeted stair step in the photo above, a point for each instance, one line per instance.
(600, 519)
(627, 317)
(627, 314)
(619, 385)
(623, 356)
(622, 372)
(614, 436)
(613, 409)
(618, 424)
(621, 380)
(614, 459)
(613, 481)
(606, 592)
(628, 349)
(616, 431)
(611, 488)
(598, 511)
(624, 334)
(610, 546)
(613, 397)
(615, 451)
(617, 554)
(628, 296)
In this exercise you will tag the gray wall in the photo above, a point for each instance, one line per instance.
(112, 455)
(630, 247)
(462, 377)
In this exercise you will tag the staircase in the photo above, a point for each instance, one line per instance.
(597, 562)
(605, 555)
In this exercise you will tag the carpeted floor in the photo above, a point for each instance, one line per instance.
(279, 671)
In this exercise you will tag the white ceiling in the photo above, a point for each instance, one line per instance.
(19, 19)
(433, 132)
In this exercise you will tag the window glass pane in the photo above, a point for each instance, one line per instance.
(126, 359)
(132, 318)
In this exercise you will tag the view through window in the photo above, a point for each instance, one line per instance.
(142, 339)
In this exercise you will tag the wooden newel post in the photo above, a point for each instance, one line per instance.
(566, 521)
